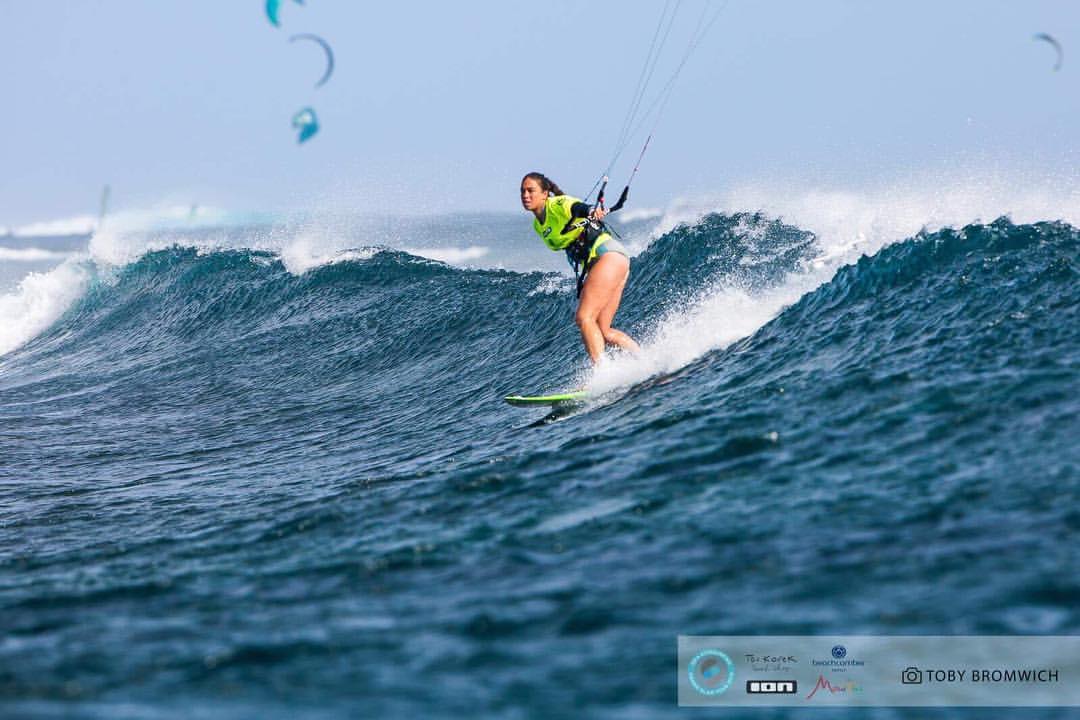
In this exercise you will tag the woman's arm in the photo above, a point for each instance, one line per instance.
(580, 210)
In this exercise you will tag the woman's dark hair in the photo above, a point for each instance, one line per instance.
(545, 183)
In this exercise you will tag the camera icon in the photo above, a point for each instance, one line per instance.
(911, 675)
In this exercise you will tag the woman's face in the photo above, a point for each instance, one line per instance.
(532, 197)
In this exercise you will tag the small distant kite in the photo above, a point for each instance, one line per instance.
(326, 48)
(306, 122)
(272, 10)
(1057, 47)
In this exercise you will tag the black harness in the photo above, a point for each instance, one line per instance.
(581, 248)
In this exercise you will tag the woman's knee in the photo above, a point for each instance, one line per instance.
(586, 316)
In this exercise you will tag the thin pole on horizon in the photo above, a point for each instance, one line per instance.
(103, 208)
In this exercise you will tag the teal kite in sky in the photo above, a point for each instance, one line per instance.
(1057, 48)
(272, 10)
(326, 48)
(306, 122)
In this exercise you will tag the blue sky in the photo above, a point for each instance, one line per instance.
(436, 107)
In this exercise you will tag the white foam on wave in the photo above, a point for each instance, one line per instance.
(853, 222)
(308, 252)
(633, 214)
(39, 300)
(111, 249)
(553, 284)
(331, 238)
(299, 249)
(848, 224)
(450, 255)
(714, 319)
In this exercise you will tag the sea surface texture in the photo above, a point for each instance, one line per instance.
(242, 481)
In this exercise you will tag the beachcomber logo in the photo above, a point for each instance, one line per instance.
(771, 687)
(839, 662)
(711, 672)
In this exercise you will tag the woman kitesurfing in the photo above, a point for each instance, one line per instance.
(600, 261)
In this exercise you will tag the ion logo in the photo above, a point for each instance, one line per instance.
(771, 687)
(711, 672)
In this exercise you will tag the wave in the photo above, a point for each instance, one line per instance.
(696, 290)
(849, 223)
(968, 281)
(709, 283)
(745, 254)
(701, 281)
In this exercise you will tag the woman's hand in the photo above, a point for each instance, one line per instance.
(597, 213)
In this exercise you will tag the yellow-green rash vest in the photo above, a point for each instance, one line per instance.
(556, 216)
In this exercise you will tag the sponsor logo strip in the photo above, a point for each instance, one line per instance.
(880, 671)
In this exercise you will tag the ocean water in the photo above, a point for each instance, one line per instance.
(264, 470)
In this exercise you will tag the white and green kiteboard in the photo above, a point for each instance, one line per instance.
(573, 397)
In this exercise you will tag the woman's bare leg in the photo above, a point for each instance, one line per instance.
(599, 301)
(607, 315)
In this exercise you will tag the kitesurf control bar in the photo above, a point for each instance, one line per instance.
(626, 190)
(621, 201)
